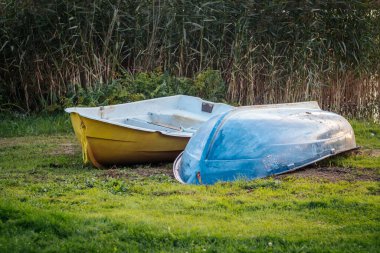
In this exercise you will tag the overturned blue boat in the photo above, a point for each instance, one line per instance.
(260, 141)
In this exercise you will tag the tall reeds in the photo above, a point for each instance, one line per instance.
(267, 52)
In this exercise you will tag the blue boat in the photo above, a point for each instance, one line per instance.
(260, 141)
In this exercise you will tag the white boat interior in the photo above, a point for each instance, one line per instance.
(175, 115)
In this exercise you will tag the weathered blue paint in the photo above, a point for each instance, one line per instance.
(255, 142)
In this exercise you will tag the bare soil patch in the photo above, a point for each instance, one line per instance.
(140, 171)
(334, 174)
(369, 152)
(66, 149)
(58, 145)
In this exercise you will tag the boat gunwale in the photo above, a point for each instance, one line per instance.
(176, 168)
(174, 133)
(72, 109)
(111, 122)
(311, 105)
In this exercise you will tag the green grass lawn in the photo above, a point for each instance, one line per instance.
(50, 202)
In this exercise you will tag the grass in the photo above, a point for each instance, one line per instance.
(50, 202)
(367, 134)
(368, 138)
(12, 125)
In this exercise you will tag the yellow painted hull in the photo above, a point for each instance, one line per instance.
(105, 144)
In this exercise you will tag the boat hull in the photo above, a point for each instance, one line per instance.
(249, 143)
(104, 144)
(154, 130)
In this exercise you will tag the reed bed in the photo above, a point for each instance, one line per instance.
(266, 52)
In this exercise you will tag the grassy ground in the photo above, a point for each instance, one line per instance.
(50, 202)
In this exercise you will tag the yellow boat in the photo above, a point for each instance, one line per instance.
(154, 130)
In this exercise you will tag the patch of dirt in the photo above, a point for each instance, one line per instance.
(333, 174)
(149, 171)
(66, 149)
(53, 145)
(363, 152)
(11, 142)
(140, 171)
(369, 152)
(316, 172)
